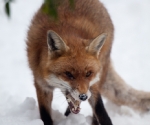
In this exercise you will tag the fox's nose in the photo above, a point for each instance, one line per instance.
(83, 97)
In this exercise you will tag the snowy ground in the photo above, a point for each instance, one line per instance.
(131, 57)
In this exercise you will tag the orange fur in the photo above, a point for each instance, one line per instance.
(77, 28)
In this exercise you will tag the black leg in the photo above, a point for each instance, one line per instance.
(44, 100)
(101, 113)
(46, 118)
(94, 121)
(67, 111)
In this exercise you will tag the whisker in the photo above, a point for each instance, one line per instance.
(64, 93)
(74, 91)
(60, 91)
(64, 102)
(58, 94)
(57, 97)
(64, 87)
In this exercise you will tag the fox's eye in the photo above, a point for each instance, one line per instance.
(69, 75)
(88, 73)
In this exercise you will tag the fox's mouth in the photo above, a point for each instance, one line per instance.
(74, 105)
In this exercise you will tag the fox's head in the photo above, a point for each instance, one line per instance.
(73, 68)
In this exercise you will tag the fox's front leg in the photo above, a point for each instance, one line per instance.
(100, 114)
(44, 100)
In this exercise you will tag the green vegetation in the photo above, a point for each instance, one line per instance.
(50, 7)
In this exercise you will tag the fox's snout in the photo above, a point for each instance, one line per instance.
(83, 90)
(83, 97)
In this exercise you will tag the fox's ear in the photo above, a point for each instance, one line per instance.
(96, 45)
(55, 43)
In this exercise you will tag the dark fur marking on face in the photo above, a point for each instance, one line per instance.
(45, 116)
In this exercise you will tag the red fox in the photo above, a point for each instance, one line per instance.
(73, 54)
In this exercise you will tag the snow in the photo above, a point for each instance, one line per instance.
(130, 55)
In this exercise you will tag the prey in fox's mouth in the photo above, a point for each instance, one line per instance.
(74, 105)
(74, 102)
